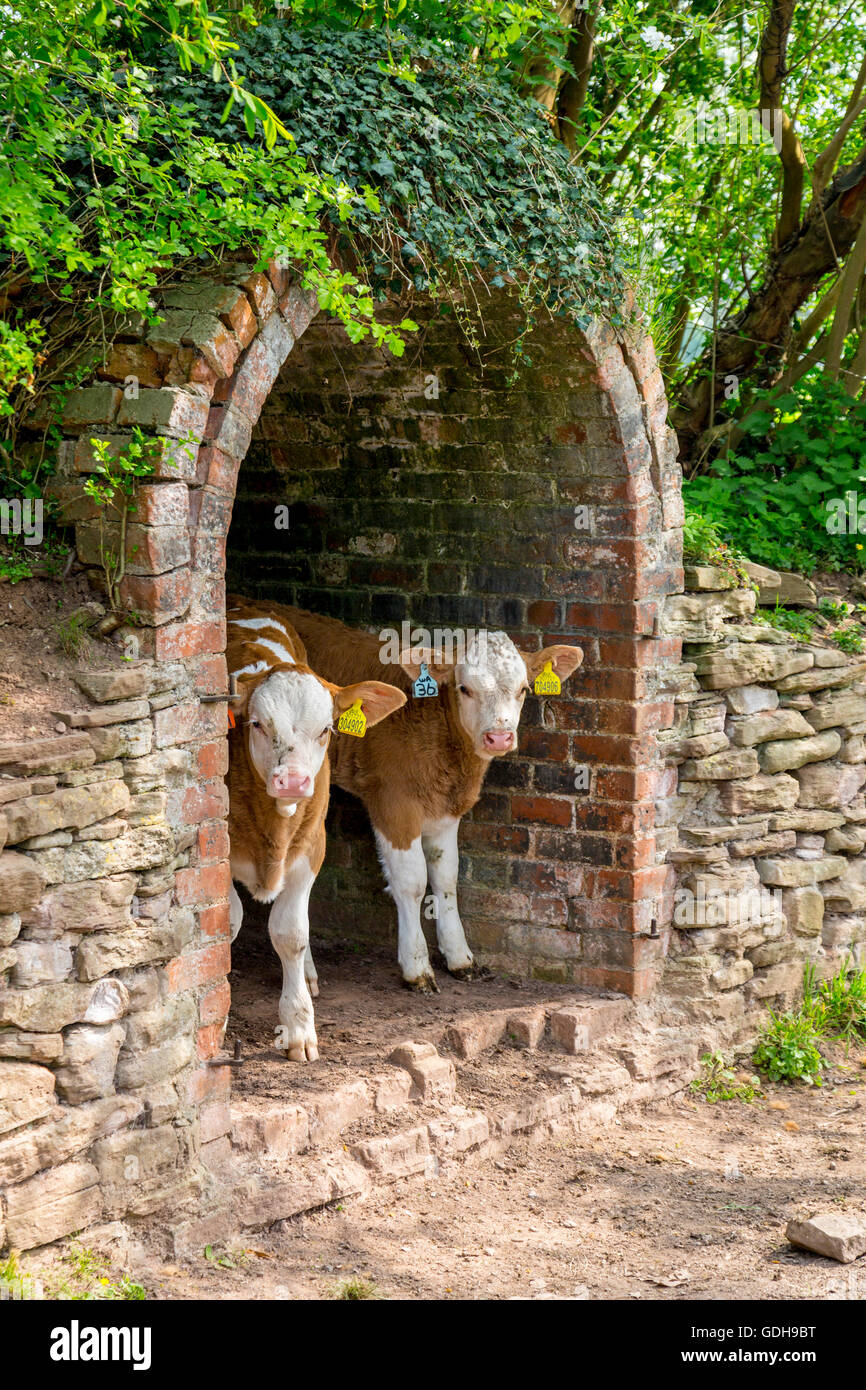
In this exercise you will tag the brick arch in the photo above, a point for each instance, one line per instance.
(204, 375)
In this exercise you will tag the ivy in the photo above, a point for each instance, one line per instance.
(447, 170)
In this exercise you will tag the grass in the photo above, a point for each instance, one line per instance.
(82, 1275)
(72, 633)
(836, 620)
(354, 1290)
(718, 1081)
(833, 1009)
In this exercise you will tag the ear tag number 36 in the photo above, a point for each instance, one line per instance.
(425, 684)
(547, 682)
(353, 721)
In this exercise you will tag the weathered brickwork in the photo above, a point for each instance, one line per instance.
(764, 828)
(440, 493)
(456, 509)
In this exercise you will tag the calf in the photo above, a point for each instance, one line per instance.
(423, 770)
(278, 791)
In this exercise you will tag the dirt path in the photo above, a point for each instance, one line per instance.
(685, 1201)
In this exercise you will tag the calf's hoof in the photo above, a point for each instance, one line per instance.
(313, 987)
(472, 971)
(424, 984)
(303, 1052)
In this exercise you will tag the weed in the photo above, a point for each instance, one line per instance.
(839, 1002)
(720, 1082)
(72, 633)
(787, 1049)
(355, 1289)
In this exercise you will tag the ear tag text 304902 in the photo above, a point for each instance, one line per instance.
(425, 684)
(547, 682)
(353, 721)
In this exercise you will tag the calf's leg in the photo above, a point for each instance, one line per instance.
(236, 911)
(289, 927)
(443, 862)
(406, 874)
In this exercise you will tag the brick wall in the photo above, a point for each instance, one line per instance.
(456, 508)
(442, 492)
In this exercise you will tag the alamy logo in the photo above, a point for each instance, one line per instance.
(22, 518)
(77, 1343)
(451, 644)
(728, 125)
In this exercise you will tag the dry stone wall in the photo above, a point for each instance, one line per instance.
(765, 829)
(102, 1017)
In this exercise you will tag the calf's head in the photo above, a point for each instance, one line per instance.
(288, 714)
(491, 680)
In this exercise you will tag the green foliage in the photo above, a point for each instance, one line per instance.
(703, 545)
(787, 1049)
(781, 497)
(800, 622)
(718, 1081)
(111, 485)
(839, 1003)
(72, 633)
(445, 168)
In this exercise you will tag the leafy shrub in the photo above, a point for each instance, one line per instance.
(718, 1081)
(787, 1049)
(781, 497)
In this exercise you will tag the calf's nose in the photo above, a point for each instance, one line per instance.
(498, 740)
(287, 783)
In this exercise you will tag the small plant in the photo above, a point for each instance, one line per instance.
(848, 639)
(355, 1289)
(720, 1082)
(798, 622)
(704, 544)
(839, 1003)
(72, 633)
(16, 564)
(787, 1049)
(15, 1282)
(111, 486)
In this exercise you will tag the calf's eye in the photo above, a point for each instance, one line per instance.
(464, 690)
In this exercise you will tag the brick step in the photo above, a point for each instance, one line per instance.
(408, 1122)
(417, 1072)
(571, 1025)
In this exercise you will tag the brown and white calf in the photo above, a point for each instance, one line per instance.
(422, 770)
(278, 791)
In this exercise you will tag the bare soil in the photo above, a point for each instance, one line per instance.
(677, 1200)
(36, 668)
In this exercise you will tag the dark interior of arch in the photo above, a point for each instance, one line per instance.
(441, 489)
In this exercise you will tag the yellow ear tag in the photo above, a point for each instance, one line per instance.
(547, 682)
(353, 721)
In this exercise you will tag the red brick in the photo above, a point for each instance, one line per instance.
(211, 676)
(209, 1084)
(209, 1041)
(131, 359)
(205, 802)
(543, 743)
(617, 751)
(185, 723)
(179, 640)
(215, 1004)
(194, 886)
(218, 470)
(213, 759)
(509, 839)
(162, 504)
(214, 1121)
(636, 785)
(543, 809)
(543, 613)
(199, 967)
(161, 595)
(213, 842)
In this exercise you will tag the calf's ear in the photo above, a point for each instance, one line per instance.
(564, 660)
(440, 666)
(378, 700)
